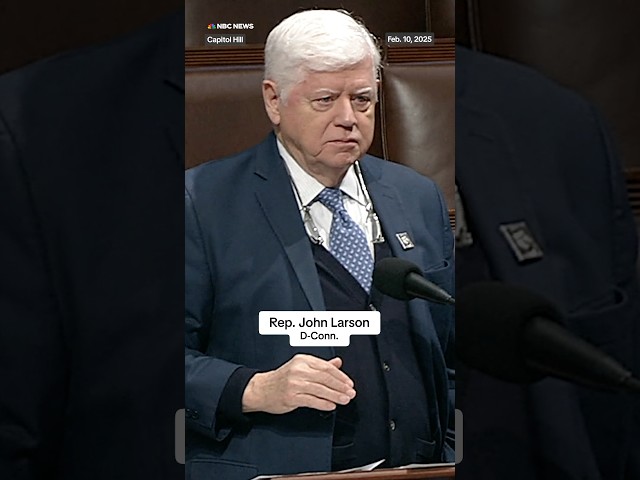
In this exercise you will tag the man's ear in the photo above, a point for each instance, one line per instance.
(271, 101)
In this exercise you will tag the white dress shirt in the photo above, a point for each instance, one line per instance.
(308, 188)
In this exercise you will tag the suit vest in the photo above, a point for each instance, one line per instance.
(388, 418)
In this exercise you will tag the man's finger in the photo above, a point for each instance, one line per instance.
(327, 366)
(310, 401)
(330, 381)
(336, 362)
(325, 393)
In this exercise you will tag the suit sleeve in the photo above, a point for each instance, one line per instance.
(205, 375)
(33, 361)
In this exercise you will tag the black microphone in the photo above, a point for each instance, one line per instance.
(404, 280)
(516, 335)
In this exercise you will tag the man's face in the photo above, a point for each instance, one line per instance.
(328, 119)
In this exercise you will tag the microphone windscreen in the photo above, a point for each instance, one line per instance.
(490, 324)
(389, 277)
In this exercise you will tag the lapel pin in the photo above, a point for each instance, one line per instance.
(521, 240)
(405, 240)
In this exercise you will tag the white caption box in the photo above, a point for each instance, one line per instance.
(319, 329)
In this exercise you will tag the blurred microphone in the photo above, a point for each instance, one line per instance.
(515, 335)
(404, 280)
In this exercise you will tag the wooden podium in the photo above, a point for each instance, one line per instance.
(441, 473)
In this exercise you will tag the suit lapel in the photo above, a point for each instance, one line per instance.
(392, 214)
(492, 188)
(275, 196)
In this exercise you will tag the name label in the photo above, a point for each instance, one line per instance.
(319, 329)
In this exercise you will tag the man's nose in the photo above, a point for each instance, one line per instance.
(345, 114)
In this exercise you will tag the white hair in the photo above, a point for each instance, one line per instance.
(316, 41)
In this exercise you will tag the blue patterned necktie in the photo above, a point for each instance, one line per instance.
(348, 243)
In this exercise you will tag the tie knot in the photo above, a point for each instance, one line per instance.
(332, 199)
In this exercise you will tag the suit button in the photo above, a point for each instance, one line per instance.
(195, 415)
(392, 425)
(385, 366)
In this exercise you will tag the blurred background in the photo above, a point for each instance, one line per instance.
(33, 30)
(589, 46)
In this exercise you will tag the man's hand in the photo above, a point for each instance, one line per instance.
(304, 381)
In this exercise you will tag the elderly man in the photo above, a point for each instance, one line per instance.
(296, 223)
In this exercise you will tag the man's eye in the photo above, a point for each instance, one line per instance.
(361, 102)
(323, 103)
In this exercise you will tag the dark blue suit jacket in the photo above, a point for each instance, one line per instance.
(91, 259)
(529, 150)
(246, 251)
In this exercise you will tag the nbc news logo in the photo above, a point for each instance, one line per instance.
(230, 26)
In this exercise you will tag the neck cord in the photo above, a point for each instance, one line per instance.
(310, 225)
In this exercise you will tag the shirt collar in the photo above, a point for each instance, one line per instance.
(309, 188)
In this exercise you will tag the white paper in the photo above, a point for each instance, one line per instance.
(365, 468)
(426, 465)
